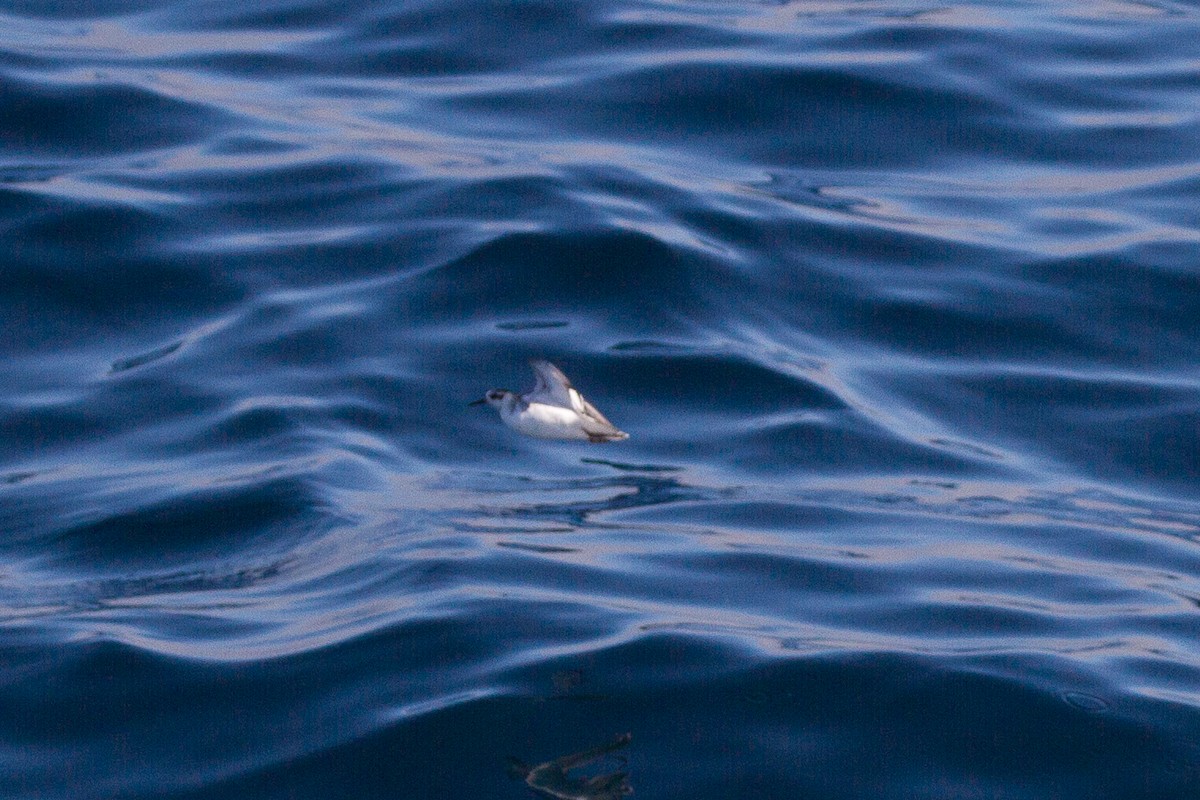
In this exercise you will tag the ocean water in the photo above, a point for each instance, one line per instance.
(899, 302)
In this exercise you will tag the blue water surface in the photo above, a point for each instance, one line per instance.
(899, 302)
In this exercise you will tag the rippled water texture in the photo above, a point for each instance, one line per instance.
(898, 301)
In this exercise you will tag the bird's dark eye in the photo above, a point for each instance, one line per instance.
(495, 395)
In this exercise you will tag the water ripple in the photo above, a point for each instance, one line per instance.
(895, 299)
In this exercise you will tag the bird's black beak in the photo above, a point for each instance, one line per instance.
(478, 402)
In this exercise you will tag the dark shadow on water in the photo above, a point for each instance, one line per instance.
(532, 325)
(142, 359)
(630, 490)
(623, 467)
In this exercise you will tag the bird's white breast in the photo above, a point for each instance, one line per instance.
(546, 422)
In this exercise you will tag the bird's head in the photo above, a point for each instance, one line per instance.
(496, 398)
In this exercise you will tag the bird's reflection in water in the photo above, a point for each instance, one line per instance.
(550, 779)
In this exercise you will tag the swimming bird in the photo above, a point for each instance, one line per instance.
(552, 409)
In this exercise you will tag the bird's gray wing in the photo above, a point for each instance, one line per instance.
(552, 386)
(593, 420)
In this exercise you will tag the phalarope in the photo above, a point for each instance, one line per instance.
(552, 409)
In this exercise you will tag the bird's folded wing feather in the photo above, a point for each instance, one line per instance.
(593, 420)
